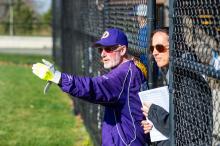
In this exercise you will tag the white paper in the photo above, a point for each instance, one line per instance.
(158, 96)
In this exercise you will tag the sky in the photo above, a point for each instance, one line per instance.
(42, 5)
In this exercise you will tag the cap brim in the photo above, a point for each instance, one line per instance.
(101, 43)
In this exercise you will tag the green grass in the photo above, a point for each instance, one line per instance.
(22, 59)
(30, 118)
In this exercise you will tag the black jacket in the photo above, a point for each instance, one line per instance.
(192, 107)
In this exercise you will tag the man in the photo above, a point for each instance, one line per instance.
(117, 90)
(141, 13)
(188, 82)
(142, 40)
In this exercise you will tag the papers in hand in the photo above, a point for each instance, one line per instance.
(160, 97)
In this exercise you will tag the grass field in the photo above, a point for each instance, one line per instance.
(30, 118)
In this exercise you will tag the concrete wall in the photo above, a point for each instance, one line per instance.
(26, 45)
(25, 42)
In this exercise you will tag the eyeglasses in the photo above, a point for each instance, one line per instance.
(107, 49)
(160, 48)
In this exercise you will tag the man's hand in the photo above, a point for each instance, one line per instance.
(147, 126)
(46, 71)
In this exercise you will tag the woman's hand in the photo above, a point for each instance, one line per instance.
(146, 107)
(147, 126)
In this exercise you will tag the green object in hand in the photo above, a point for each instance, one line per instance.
(46, 71)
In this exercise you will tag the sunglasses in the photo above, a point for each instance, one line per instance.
(160, 48)
(107, 49)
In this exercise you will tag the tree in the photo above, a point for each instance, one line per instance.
(47, 17)
(26, 20)
(23, 17)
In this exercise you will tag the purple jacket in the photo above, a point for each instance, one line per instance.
(118, 92)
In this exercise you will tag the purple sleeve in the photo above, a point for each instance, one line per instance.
(103, 89)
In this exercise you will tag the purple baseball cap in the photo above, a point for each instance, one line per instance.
(112, 37)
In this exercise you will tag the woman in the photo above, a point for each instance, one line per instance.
(188, 82)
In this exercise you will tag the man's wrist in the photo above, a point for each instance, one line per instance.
(57, 77)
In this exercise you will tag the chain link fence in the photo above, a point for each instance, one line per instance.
(194, 69)
(195, 65)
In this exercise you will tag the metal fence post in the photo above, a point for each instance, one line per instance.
(151, 19)
(171, 118)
